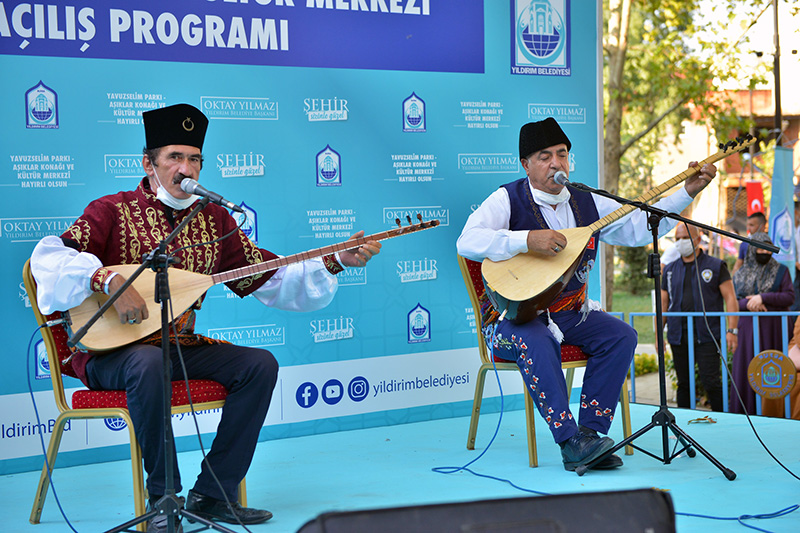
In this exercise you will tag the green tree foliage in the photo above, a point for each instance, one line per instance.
(665, 61)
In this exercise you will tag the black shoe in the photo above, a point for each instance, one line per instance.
(159, 524)
(609, 463)
(582, 448)
(214, 509)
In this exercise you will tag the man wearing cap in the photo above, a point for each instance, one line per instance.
(119, 229)
(526, 216)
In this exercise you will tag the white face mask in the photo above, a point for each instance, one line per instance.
(551, 199)
(164, 196)
(685, 247)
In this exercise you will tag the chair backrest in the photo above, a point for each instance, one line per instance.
(473, 280)
(55, 341)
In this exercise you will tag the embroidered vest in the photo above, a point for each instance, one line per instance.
(526, 215)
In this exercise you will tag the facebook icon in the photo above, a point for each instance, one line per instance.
(306, 395)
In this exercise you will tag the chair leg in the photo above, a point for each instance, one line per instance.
(626, 415)
(476, 406)
(530, 421)
(44, 479)
(242, 492)
(570, 379)
(137, 475)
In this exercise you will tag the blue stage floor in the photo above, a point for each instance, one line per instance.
(299, 478)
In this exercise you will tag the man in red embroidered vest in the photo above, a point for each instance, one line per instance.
(526, 215)
(118, 229)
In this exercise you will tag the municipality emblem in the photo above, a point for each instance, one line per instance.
(247, 221)
(329, 168)
(41, 107)
(419, 325)
(414, 114)
(541, 41)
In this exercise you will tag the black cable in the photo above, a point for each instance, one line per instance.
(191, 404)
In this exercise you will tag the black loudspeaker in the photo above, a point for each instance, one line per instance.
(642, 511)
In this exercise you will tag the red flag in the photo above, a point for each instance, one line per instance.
(755, 197)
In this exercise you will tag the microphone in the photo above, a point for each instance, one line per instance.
(190, 186)
(561, 178)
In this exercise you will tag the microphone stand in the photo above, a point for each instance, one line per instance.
(158, 260)
(663, 418)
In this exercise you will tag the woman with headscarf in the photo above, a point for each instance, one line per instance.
(762, 284)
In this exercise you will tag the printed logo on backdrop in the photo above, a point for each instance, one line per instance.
(16, 430)
(329, 168)
(41, 107)
(563, 113)
(331, 329)
(123, 165)
(481, 114)
(115, 424)
(239, 108)
(352, 276)
(306, 395)
(23, 295)
(411, 270)
(325, 109)
(332, 392)
(34, 228)
(419, 325)
(254, 32)
(241, 165)
(127, 108)
(541, 40)
(500, 163)
(414, 168)
(403, 214)
(42, 363)
(414, 114)
(256, 336)
(247, 221)
(41, 171)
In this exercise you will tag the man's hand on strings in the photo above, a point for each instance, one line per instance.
(358, 257)
(699, 181)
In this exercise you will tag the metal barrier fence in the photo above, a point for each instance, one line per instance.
(786, 334)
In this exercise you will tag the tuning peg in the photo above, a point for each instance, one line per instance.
(397, 221)
(419, 217)
(408, 217)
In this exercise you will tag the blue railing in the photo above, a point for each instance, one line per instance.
(785, 336)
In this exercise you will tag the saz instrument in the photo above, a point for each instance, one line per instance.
(186, 287)
(528, 283)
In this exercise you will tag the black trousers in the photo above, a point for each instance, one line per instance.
(706, 357)
(249, 375)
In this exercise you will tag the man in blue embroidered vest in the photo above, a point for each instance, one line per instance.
(698, 282)
(526, 216)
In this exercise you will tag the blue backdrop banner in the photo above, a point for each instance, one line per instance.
(326, 117)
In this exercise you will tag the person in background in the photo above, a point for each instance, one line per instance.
(762, 284)
(696, 282)
(755, 222)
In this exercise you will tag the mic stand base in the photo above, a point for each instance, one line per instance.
(663, 418)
